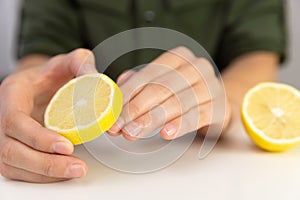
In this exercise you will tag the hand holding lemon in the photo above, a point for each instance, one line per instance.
(89, 105)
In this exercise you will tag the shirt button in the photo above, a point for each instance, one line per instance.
(149, 16)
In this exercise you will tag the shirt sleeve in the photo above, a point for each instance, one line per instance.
(252, 26)
(48, 27)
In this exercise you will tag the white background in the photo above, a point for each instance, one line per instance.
(8, 19)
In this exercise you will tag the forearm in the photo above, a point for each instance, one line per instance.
(247, 71)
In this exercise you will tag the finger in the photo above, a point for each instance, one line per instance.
(23, 175)
(16, 122)
(171, 60)
(23, 128)
(131, 88)
(179, 54)
(121, 80)
(165, 63)
(163, 87)
(76, 63)
(195, 118)
(125, 77)
(61, 69)
(18, 155)
(176, 105)
(113, 133)
(129, 137)
(198, 70)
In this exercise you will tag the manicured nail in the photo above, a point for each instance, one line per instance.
(75, 171)
(63, 147)
(117, 126)
(170, 129)
(133, 129)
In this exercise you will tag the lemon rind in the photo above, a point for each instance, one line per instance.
(77, 134)
(249, 123)
(54, 98)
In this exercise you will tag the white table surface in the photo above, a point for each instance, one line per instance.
(236, 169)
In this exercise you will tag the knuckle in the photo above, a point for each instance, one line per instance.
(204, 66)
(133, 110)
(201, 92)
(54, 61)
(125, 75)
(184, 52)
(6, 152)
(49, 166)
(9, 81)
(6, 122)
(183, 49)
(161, 88)
(175, 103)
(188, 75)
(146, 120)
(58, 57)
(34, 140)
(4, 171)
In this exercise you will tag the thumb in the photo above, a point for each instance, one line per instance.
(75, 63)
(82, 61)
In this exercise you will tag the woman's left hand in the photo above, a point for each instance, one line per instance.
(172, 94)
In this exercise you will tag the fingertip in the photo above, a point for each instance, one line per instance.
(81, 61)
(116, 128)
(128, 137)
(77, 168)
(113, 133)
(63, 147)
(87, 69)
(169, 131)
(85, 169)
(76, 171)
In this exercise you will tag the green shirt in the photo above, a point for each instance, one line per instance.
(225, 28)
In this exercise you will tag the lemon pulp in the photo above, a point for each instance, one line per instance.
(84, 108)
(271, 116)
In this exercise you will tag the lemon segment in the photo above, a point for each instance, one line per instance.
(271, 116)
(84, 108)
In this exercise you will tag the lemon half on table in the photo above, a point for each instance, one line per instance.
(84, 108)
(271, 116)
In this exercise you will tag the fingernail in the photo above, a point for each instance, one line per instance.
(63, 147)
(133, 129)
(170, 129)
(117, 126)
(75, 171)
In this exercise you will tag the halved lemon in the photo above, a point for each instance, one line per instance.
(84, 108)
(271, 116)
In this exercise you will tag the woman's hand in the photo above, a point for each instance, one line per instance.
(28, 151)
(172, 94)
